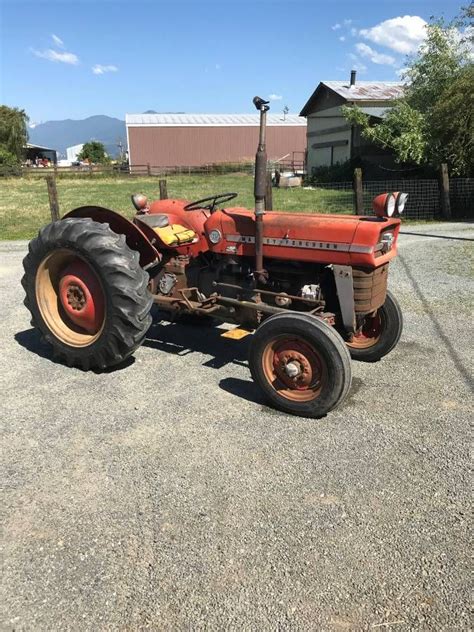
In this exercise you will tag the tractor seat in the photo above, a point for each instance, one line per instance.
(170, 234)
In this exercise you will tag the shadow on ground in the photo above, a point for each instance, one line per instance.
(244, 389)
(30, 339)
(180, 338)
(177, 338)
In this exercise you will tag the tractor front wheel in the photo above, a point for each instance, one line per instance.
(379, 333)
(301, 364)
(86, 292)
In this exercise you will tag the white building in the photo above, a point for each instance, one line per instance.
(73, 152)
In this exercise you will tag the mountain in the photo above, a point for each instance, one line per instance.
(61, 134)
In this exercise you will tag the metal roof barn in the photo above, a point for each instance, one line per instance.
(182, 140)
(38, 151)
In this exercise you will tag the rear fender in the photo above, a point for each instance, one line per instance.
(135, 238)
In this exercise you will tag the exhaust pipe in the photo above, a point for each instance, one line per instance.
(259, 188)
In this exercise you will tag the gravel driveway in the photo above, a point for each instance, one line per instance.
(166, 495)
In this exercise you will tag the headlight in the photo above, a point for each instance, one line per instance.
(391, 203)
(400, 201)
(384, 205)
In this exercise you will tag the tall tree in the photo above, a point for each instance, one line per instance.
(433, 123)
(13, 131)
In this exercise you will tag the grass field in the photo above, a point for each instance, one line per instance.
(24, 206)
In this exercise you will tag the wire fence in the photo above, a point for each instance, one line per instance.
(461, 195)
(423, 197)
(423, 194)
(25, 207)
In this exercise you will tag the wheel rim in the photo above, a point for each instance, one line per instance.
(70, 298)
(294, 368)
(369, 334)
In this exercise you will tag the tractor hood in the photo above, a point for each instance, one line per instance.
(344, 239)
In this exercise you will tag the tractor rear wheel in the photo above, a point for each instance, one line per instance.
(87, 293)
(301, 364)
(379, 333)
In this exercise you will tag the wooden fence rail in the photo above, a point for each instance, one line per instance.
(126, 170)
(148, 169)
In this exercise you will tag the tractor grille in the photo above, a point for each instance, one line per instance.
(370, 288)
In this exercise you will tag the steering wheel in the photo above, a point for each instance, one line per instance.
(212, 200)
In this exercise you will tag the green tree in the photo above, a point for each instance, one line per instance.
(7, 159)
(13, 131)
(452, 118)
(433, 123)
(94, 151)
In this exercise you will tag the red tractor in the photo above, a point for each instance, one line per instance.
(312, 287)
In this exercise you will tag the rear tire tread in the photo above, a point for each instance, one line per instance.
(124, 282)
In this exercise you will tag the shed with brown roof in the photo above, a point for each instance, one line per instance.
(330, 138)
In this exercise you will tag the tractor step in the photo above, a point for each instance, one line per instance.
(236, 334)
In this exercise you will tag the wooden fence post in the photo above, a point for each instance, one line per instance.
(53, 198)
(269, 193)
(358, 192)
(163, 190)
(445, 202)
(148, 169)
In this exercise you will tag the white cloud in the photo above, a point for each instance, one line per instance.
(342, 38)
(275, 97)
(347, 22)
(360, 67)
(218, 66)
(375, 57)
(57, 40)
(336, 27)
(356, 64)
(353, 32)
(53, 55)
(99, 69)
(403, 34)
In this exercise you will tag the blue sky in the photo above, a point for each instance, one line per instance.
(71, 59)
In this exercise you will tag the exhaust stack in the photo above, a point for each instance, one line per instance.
(259, 187)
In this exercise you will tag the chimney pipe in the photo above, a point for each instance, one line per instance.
(353, 77)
